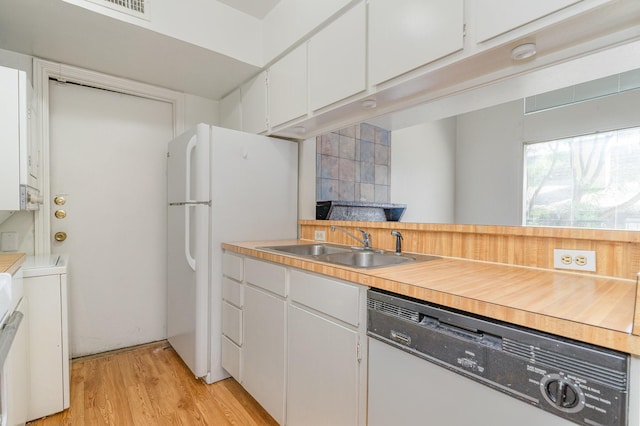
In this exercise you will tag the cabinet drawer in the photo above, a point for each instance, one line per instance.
(232, 322)
(267, 276)
(232, 292)
(337, 299)
(231, 358)
(232, 266)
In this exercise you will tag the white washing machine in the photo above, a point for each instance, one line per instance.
(45, 285)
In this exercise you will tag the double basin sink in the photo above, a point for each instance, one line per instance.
(353, 257)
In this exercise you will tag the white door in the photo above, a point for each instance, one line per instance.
(108, 162)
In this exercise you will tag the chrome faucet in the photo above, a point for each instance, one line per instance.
(366, 238)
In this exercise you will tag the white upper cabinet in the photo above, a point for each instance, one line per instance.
(337, 59)
(288, 87)
(407, 34)
(254, 104)
(495, 17)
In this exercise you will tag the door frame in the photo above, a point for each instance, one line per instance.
(43, 71)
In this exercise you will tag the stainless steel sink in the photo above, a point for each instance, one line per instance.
(351, 257)
(308, 249)
(367, 259)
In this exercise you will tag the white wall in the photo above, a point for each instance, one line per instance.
(307, 179)
(489, 166)
(423, 171)
(200, 110)
(17, 61)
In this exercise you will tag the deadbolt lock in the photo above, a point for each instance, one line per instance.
(60, 214)
(59, 200)
(60, 236)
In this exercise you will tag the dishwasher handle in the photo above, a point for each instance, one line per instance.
(468, 334)
(8, 334)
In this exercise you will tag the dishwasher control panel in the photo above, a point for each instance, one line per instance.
(582, 383)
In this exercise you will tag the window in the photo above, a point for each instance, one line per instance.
(590, 181)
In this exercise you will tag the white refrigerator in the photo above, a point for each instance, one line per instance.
(223, 186)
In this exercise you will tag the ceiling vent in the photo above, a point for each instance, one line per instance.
(136, 8)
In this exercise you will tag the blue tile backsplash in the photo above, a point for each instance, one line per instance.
(354, 164)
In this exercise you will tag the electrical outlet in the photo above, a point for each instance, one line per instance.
(576, 260)
(320, 236)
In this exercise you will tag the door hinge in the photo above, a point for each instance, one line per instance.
(358, 352)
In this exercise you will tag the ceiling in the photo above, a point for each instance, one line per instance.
(64, 33)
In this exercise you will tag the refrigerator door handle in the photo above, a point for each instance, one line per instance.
(187, 224)
(190, 147)
(187, 237)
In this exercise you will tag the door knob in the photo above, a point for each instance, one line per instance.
(60, 236)
(59, 200)
(60, 214)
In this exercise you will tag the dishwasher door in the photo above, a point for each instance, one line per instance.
(407, 390)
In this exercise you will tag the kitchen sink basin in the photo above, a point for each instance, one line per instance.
(309, 249)
(351, 257)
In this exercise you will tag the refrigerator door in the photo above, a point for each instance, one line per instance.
(188, 248)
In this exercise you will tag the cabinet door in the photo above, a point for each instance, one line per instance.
(406, 34)
(288, 87)
(495, 17)
(323, 373)
(254, 104)
(263, 350)
(337, 59)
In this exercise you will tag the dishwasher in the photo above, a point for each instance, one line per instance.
(431, 365)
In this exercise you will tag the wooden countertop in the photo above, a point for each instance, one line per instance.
(592, 309)
(10, 262)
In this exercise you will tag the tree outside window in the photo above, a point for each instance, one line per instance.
(589, 181)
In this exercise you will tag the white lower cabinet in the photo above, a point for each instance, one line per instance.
(263, 350)
(49, 345)
(322, 371)
(264, 312)
(327, 359)
(301, 352)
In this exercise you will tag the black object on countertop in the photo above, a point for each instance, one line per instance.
(359, 211)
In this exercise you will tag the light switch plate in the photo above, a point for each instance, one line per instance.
(320, 236)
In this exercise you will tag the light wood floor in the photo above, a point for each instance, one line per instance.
(150, 385)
